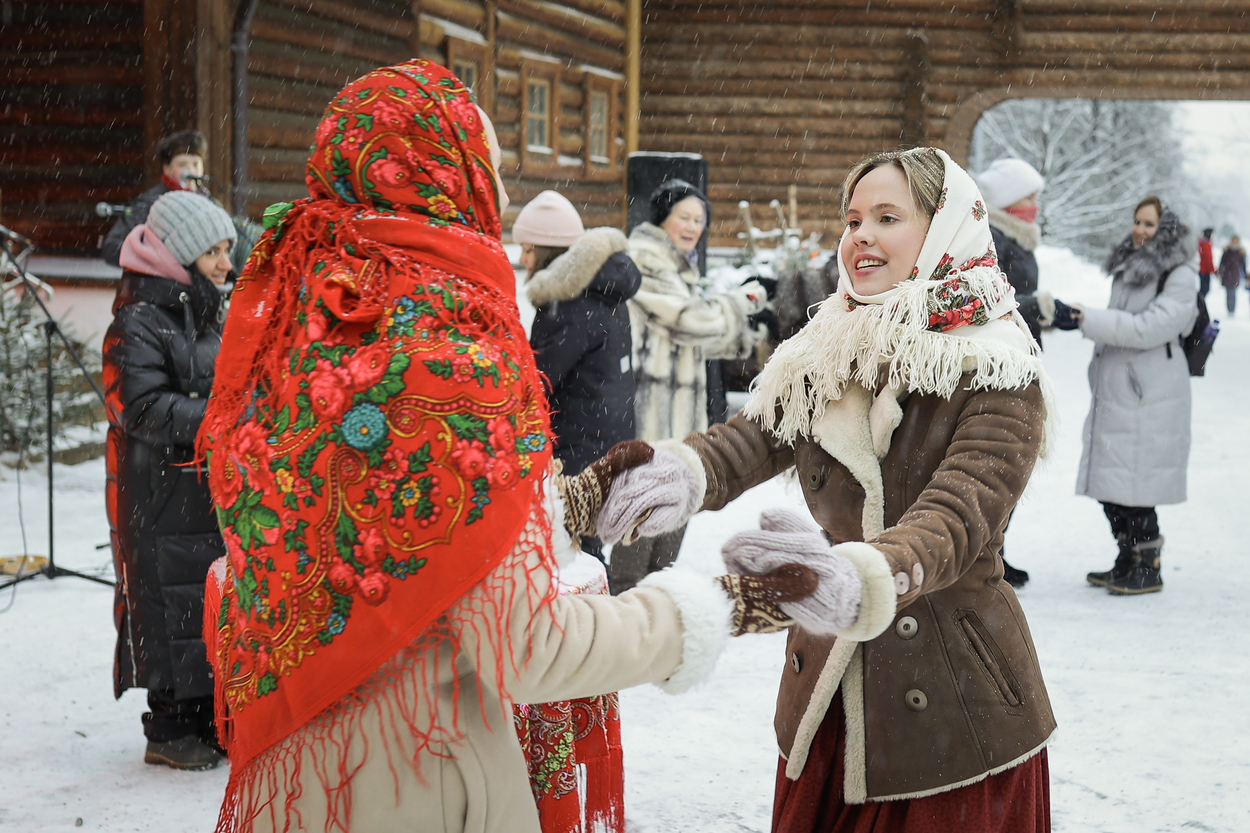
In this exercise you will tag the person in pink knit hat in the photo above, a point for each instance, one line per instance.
(579, 282)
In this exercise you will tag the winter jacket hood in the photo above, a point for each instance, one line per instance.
(580, 270)
(1027, 236)
(1170, 247)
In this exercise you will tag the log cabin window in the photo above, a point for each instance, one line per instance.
(538, 115)
(598, 127)
(467, 72)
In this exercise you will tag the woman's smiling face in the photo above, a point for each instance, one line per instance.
(886, 231)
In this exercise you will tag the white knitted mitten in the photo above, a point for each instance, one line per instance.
(651, 499)
(786, 537)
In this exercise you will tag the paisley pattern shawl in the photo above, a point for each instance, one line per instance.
(377, 435)
(955, 314)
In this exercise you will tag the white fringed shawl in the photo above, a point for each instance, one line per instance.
(852, 336)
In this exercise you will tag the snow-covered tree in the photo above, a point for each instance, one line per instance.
(23, 360)
(1099, 158)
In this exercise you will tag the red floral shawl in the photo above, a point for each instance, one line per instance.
(377, 421)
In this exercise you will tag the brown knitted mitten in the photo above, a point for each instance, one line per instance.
(584, 493)
(756, 598)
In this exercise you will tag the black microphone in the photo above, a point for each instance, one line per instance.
(106, 210)
(198, 180)
(15, 237)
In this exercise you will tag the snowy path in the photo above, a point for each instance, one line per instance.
(1149, 692)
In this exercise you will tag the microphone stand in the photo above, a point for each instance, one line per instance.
(50, 328)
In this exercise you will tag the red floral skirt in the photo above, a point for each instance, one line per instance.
(1015, 801)
(573, 747)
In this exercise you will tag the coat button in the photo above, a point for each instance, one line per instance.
(916, 700)
(902, 583)
(816, 477)
(906, 627)
(796, 662)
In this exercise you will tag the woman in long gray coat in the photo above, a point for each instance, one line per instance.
(1137, 432)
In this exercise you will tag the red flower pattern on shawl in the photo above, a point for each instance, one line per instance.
(375, 414)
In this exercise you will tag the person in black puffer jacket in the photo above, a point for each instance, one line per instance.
(1010, 188)
(579, 283)
(159, 354)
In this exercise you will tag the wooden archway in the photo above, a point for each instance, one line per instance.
(795, 91)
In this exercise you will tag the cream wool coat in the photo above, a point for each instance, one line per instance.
(676, 328)
(667, 631)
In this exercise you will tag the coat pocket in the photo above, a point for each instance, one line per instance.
(1133, 382)
(990, 657)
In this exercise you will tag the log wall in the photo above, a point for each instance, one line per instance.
(796, 91)
(303, 51)
(71, 130)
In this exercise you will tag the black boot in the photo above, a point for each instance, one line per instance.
(1014, 576)
(1123, 564)
(184, 753)
(1144, 576)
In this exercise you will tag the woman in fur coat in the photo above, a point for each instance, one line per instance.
(913, 407)
(1136, 439)
(677, 327)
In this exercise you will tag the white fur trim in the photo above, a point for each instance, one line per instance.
(945, 787)
(877, 597)
(692, 460)
(884, 416)
(822, 695)
(562, 546)
(855, 784)
(569, 274)
(706, 618)
(844, 432)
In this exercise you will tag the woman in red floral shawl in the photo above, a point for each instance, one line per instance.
(377, 444)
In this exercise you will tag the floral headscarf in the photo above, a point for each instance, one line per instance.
(377, 433)
(956, 314)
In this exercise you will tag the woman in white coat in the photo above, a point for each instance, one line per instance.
(1137, 433)
(677, 326)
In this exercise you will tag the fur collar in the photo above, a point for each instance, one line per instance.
(1170, 247)
(571, 273)
(652, 243)
(1026, 235)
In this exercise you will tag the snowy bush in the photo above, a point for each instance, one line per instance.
(23, 363)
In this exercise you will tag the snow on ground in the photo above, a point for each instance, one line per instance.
(1149, 692)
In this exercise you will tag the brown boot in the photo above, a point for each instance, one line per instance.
(184, 753)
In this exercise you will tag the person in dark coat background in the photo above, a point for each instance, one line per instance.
(159, 354)
(578, 283)
(1232, 271)
(1206, 262)
(182, 166)
(1010, 188)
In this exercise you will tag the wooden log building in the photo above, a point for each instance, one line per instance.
(775, 93)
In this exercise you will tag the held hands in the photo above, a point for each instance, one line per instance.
(1067, 316)
(786, 539)
(584, 493)
(648, 500)
(756, 598)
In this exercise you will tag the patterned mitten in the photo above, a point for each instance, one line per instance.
(756, 598)
(650, 500)
(786, 537)
(584, 493)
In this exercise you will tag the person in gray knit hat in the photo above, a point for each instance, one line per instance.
(159, 355)
(193, 227)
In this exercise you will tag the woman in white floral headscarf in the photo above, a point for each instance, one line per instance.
(913, 408)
